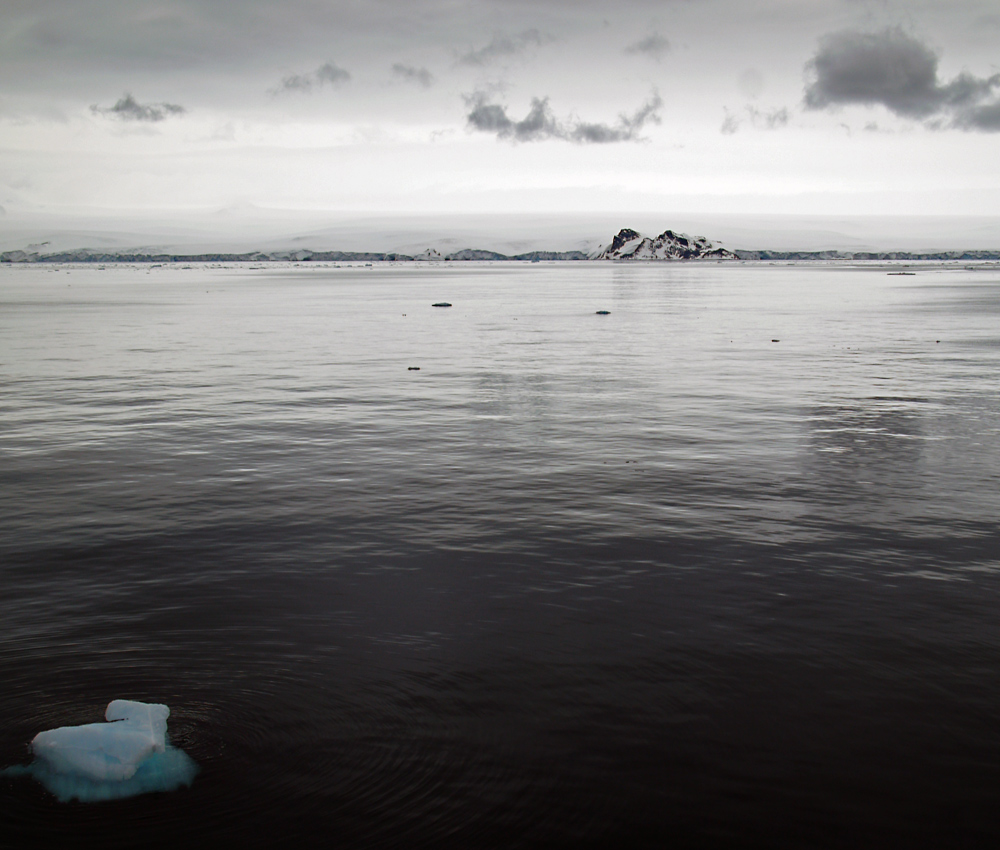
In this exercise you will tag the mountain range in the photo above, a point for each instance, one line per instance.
(627, 246)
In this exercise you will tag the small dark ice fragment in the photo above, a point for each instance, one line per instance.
(441, 304)
(603, 313)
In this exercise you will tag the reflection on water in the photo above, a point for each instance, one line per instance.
(648, 577)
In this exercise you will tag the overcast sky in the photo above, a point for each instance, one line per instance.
(823, 106)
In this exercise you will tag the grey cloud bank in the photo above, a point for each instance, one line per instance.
(893, 69)
(541, 124)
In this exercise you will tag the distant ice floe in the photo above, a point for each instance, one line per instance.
(127, 756)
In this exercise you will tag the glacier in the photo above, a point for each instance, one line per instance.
(130, 754)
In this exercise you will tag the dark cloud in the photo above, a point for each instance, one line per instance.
(627, 129)
(899, 72)
(329, 73)
(504, 47)
(889, 67)
(759, 119)
(653, 45)
(420, 76)
(540, 123)
(985, 118)
(129, 109)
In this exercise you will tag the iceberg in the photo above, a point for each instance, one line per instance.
(128, 755)
(109, 751)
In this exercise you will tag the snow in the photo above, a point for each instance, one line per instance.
(667, 246)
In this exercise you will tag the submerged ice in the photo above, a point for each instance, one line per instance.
(128, 755)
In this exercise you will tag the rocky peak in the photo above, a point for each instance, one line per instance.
(631, 245)
(625, 235)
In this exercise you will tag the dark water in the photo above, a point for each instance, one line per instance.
(640, 580)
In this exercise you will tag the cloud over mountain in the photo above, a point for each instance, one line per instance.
(541, 124)
(129, 109)
(893, 69)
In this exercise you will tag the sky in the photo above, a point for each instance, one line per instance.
(794, 107)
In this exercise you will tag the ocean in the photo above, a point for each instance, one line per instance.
(717, 568)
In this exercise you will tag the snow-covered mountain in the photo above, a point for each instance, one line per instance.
(631, 245)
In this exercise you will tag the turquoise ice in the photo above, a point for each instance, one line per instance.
(130, 754)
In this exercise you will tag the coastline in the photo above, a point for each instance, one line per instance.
(89, 257)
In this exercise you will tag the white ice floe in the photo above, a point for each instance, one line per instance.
(127, 755)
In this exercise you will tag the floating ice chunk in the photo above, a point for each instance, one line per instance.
(106, 750)
(126, 756)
